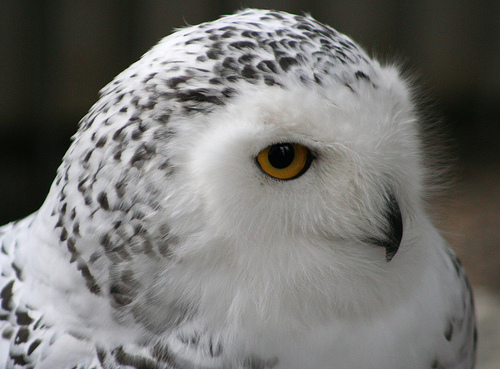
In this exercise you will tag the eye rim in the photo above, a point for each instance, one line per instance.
(299, 165)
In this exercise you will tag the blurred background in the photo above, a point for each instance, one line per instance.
(56, 55)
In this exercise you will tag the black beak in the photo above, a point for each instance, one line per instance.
(394, 230)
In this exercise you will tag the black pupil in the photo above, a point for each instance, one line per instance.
(281, 155)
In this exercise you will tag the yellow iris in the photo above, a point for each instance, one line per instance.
(284, 160)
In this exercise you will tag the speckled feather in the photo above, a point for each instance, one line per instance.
(162, 245)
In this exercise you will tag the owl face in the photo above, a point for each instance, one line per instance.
(322, 228)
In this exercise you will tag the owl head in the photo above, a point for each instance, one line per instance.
(262, 155)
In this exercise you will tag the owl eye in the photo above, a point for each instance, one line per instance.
(284, 160)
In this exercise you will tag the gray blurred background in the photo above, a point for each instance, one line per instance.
(56, 55)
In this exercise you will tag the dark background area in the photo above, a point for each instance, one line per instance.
(56, 55)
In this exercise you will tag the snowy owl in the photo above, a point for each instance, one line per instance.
(249, 194)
